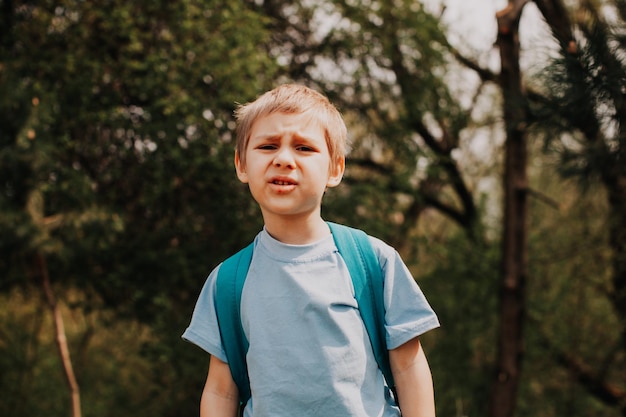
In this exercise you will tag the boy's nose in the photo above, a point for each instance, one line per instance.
(284, 158)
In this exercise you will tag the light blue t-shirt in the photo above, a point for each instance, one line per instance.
(309, 353)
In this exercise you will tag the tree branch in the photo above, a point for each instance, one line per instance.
(599, 387)
(543, 198)
(483, 73)
(557, 18)
(61, 338)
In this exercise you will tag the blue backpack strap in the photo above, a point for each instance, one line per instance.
(229, 285)
(367, 279)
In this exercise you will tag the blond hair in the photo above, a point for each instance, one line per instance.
(293, 99)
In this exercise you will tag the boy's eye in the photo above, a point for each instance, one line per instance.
(305, 148)
(266, 147)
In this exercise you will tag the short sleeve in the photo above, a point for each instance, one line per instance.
(407, 312)
(203, 329)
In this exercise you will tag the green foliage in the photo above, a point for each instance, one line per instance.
(569, 312)
(583, 111)
(116, 165)
(584, 97)
(114, 375)
(119, 129)
(461, 284)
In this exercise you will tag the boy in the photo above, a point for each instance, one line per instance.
(309, 353)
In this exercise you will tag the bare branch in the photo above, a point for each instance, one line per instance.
(557, 18)
(483, 73)
(544, 198)
(61, 338)
(599, 387)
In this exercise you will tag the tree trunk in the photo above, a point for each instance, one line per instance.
(61, 338)
(514, 252)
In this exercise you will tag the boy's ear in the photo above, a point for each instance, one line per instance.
(336, 172)
(241, 169)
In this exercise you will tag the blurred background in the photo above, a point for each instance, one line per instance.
(488, 145)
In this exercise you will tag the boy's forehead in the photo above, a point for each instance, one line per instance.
(280, 122)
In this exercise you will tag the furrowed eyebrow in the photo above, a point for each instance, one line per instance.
(278, 136)
(266, 138)
(307, 142)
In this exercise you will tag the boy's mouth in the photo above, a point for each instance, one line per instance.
(282, 181)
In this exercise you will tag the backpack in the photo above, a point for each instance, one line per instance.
(357, 252)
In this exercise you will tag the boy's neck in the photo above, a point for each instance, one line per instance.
(297, 231)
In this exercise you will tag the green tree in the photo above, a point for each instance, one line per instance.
(116, 150)
(569, 316)
(580, 100)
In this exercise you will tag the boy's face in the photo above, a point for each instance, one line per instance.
(288, 165)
